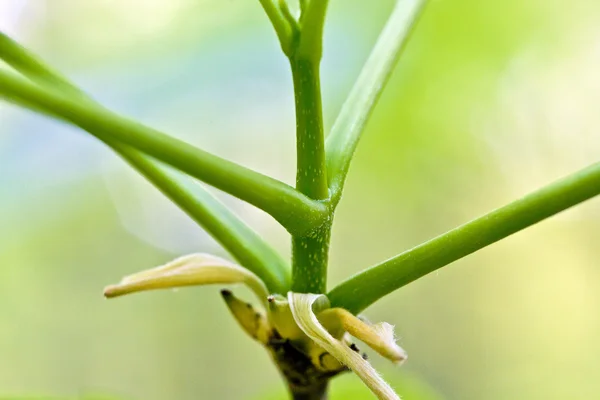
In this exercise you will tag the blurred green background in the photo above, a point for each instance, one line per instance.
(490, 100)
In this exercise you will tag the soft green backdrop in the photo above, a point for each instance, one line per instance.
(491, 99)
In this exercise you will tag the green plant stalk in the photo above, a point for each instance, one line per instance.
(358, 107)
(292, 209)
(309, 251)
(310, 256)
(312, 23)
(244, 244)
(28, 64)
(306, 211)
(364, 288)
(303, 4)
(249, 249)
(282, 28)
(311, 175)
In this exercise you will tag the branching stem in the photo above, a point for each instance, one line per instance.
(281, 24)
(351, 122)
(368, 286)
(244, 244)
(292, 209)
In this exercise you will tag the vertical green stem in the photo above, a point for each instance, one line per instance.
(309, 261)
(311, 176)
(310, 251)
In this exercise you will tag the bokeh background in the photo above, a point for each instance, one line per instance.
(491, 99)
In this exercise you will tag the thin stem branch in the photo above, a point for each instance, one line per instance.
(292, 209)
(281, 24)
(28, 64)
(244, 244)
(350, 123)
(363, 289)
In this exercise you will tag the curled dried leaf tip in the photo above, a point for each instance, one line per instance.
(190, 270)
(307, 310)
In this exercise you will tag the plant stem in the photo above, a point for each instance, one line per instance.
(309, 261)
(363, 289)
(292, 209)
(312, 23)
(311, 176)
(243, 243)
(281, 25)
(351, 122)
(28, 64)
(309, 251)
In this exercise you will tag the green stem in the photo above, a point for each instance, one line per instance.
(28, 64)
(363, 289)
(351, 122)
(292, 209)
(303, 5)
(309, 261)
(309, 251)
(312, 23)
(311, 176)
(244, 244)
(280, 23)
